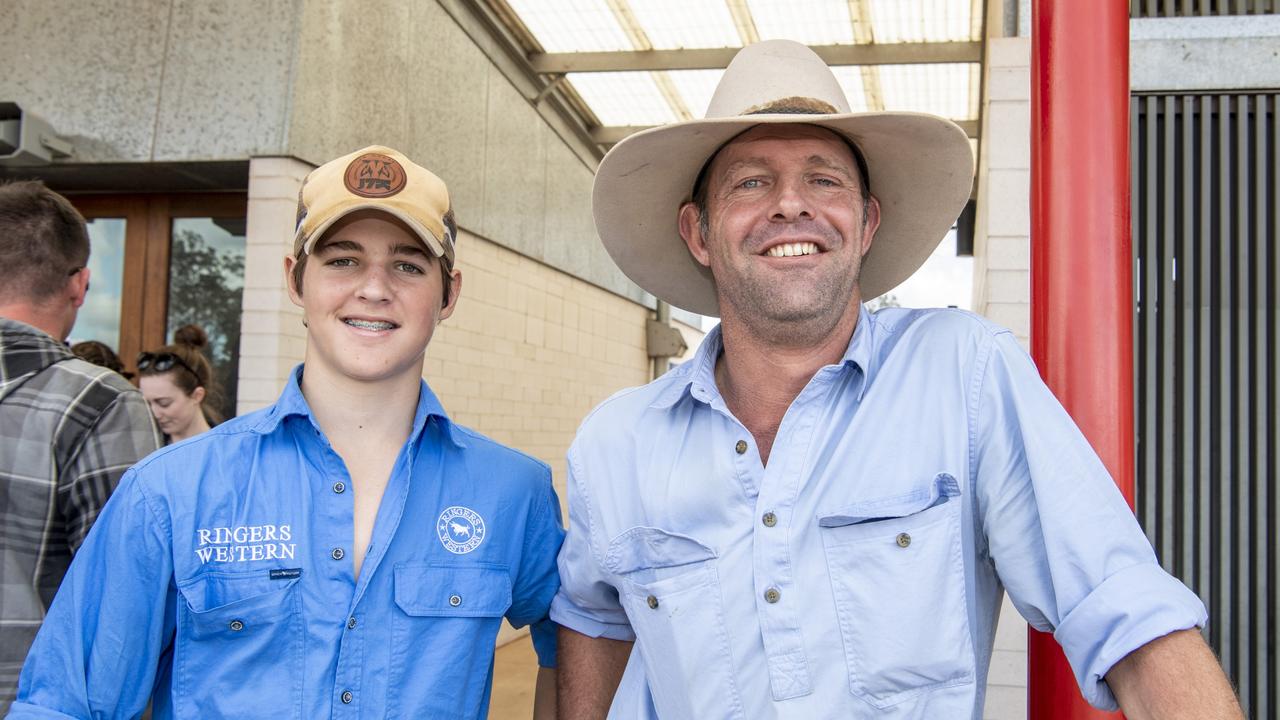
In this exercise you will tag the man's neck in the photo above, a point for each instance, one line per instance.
(759, 378)
(352, 412)
(38, 317)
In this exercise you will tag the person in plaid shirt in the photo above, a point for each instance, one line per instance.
(68, 429)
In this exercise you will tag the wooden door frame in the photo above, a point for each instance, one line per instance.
(144, 292)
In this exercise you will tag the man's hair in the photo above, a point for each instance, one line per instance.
(43, 240)
(700, 183)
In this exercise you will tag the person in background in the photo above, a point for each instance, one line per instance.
(102, 355)
(68, 429)
(178, 383)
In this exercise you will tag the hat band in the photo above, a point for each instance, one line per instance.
(795, 105)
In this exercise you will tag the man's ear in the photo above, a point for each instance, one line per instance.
(78, 286)
(455, 292)
(872, 223)
(295, 295)
(691, 232)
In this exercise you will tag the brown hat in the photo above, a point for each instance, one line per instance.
(376, 178)
(920, 167)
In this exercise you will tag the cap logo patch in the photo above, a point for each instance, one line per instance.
(374, 175)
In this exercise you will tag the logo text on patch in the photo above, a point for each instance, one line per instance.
(461, 530)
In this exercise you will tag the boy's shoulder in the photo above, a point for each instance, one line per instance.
(497, 456)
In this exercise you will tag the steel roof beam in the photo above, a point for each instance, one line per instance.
(714, 58)
(612, 134)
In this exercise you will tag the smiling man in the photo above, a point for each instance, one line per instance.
(346, 552)
(816, 516)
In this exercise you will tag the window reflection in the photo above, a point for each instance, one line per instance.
(99, 317)
(206, 286)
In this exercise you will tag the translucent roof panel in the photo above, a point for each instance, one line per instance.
(941, 89)
(851, 82)
(696, 88)
(676, 24)
(623, 98)
(895, 21)
(814, 22)
(572, 25)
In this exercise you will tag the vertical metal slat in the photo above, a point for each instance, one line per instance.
(1262, 374)
(1204, 337)
(1188, 277)
(1150, 340)
(1166, 312)
(1226, 598)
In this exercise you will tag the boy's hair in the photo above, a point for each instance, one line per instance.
(43, 241)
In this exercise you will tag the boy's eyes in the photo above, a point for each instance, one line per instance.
(401, 265)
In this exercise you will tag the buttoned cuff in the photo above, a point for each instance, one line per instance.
(25, 711)
(1128, 610)
(592, 623)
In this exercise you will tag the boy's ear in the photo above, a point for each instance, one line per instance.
(295, 294)
(455, 292)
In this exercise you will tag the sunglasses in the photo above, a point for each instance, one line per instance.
(161, 362)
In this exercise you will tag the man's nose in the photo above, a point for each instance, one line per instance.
(791, 203)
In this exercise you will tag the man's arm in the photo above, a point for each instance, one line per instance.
(544, 695)
(122, 435)
(589, 672)
(1172, 678)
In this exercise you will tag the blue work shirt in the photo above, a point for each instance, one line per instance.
(220, 574)
(859, 574)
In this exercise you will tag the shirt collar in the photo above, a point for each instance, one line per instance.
(697, 377)
(293, 403)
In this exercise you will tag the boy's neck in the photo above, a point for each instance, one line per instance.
(352, 411)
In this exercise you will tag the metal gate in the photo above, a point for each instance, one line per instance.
(1205, 199)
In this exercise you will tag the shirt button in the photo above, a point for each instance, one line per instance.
(741, 447)
(772, 595)
(351, 624)
(455, 600)
(339, 487)
(235, 625)
(653, 602)
(337, 554)
(903, 540)
(769, 519)
(346, 697)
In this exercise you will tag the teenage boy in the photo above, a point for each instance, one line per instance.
(346, 552)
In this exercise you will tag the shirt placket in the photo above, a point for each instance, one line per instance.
(347, 680)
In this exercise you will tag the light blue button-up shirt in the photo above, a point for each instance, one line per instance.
(220, 574)
(860, 573)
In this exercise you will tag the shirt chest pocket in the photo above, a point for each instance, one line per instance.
(897, 574)
(228, 622)
(670, 589)
(449, 615)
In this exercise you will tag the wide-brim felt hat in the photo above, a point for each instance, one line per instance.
(920, 168)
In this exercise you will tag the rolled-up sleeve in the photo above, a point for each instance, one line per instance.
(1064, 542)
(587, 601)
(97, 653)
(537, 581)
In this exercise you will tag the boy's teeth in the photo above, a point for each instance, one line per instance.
(370, 325)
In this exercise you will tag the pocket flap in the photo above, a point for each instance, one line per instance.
(216, 600)
(943, 487)
(646, 548)
(445, 590)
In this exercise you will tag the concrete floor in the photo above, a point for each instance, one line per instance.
(515, 668)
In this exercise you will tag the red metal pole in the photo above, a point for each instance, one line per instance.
(1081, 277)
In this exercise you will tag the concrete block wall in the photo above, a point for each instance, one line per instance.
(272, 339)
(1002, 291)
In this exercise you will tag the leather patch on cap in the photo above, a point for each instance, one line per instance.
(374, 175)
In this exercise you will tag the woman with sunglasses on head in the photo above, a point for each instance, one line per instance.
(177, 381)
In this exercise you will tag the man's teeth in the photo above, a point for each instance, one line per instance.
(369, 324)
(792, 249)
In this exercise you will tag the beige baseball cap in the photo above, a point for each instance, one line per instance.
(376, 178)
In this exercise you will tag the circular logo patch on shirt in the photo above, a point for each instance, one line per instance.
(461, 530)
(374, 175)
